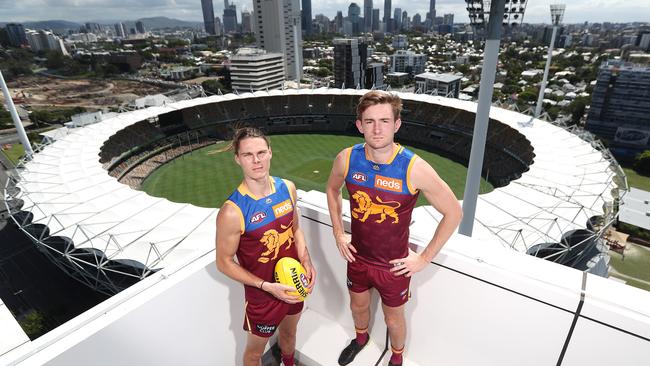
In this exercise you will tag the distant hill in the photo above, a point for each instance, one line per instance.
(164, 22)
(56, 25)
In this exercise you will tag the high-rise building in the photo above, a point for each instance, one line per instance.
(253, 69)
(246, 25)
(620, 107)
(278, 30)
(367, 16)
(432, 11)
(374, 76)
(387, 7)
(139, 26)
(408, 61)
(120, 30)
(353, 16)
(350, 60)
(400, 41)
(230, 18)
(417, 20)
(397, 19)
(45, 40)
(218, 26)
(16, 33)
(338, 20)
(208, 16)
(448, 19)
(405, 20)
(375, 20)
(306, 17)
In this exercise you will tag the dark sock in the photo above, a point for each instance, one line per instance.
(362, 338)
(287, 360)
(396, 357)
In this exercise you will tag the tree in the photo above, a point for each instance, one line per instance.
(642, 163)
(213, 86)
(5, 118)
(577, 109)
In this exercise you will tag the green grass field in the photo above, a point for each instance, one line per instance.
(14, 154)
(632, 268)
(206, 177)
(637, 181)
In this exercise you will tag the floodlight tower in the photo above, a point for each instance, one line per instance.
(22, 136)
(557, 13)
(500, 13)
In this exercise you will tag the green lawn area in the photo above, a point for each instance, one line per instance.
(16, 151)
(206, 177)
(637, 181)
(634, 265)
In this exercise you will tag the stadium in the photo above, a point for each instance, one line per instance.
(109, 235)
(555, 195)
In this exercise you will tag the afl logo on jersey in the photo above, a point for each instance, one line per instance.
(360, 177)
(257, 217)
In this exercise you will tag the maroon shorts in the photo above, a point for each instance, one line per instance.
(394, 290)
(263, 319)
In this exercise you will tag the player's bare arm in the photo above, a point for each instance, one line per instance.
(424, 178)
(335, 205)
(299, 237)
(227, 242)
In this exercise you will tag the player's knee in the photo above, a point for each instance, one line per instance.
(394, 321)
(252, 356)
(358, 308)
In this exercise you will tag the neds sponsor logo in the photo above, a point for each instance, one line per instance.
(387, 183)
(282, 208)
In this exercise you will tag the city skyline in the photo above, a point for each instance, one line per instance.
(124, 10)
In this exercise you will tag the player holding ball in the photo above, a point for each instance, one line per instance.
(259, 225)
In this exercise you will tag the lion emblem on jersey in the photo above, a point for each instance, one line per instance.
(274, 240)
(367, 207)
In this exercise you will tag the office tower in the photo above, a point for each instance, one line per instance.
(218, 26)
(278, 30)
(350, 60)
(448, 19)
(432, 11)
(353, 16)
(230, 18)
(620, 107)
(387, 7)
(16, 33)
(375, 76)
(367, 16)
(408, 61)
(417, 20)
(375, 20)
(139, 26)
(338, 20)
(405, 20)
(397, 19)
(306, 17)
(120, 30)
(253, 69)
(208, 16)
(246, 25)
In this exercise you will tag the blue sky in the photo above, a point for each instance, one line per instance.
(84, 10)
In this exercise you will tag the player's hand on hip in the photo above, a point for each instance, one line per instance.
(345, 247)
(413, 263)
(311, 275)
(281, 292)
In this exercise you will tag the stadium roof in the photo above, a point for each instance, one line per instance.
(66, 189)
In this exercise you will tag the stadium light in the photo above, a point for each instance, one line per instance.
(22, 136)
(501, 12)
(557, 13)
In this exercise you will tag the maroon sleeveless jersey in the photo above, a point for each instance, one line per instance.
(381, 204)
(266, 233)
